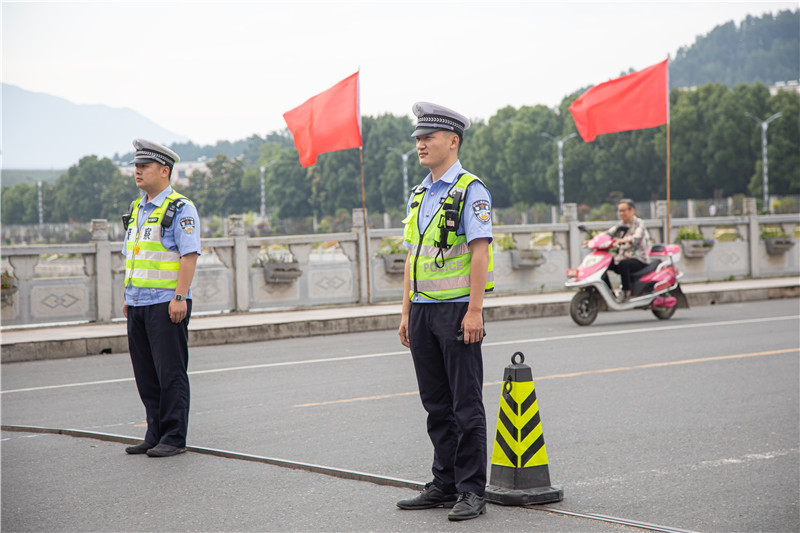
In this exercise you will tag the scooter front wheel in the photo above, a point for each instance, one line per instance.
(583, 308)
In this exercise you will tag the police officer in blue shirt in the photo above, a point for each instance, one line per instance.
(162, 244)
(448, 270)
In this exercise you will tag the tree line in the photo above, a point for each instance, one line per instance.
(715, 150)
(765, 49)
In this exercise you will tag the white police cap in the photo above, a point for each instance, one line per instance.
(149, 152)
(435, 117)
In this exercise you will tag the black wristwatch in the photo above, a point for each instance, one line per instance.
(179, 297)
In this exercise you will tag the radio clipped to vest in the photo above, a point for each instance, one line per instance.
(126, 218)
(448, 225)
(169, 214)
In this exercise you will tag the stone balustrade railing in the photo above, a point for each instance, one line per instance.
(230, 279)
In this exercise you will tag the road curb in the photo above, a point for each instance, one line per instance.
(494, 310)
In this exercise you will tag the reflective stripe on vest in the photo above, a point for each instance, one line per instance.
(437, 273)
(147, 262)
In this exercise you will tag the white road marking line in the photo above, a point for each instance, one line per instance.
(406, 352)
(715, 463)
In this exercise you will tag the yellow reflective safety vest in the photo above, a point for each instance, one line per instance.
(441, 260)
(148, 263)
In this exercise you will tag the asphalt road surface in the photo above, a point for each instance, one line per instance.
(691, 423)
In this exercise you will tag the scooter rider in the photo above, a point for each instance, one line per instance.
(633, 246)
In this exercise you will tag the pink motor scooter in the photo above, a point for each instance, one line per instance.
(655, 287)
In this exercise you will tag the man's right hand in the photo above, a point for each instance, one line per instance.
(125, 310)
(403, 332)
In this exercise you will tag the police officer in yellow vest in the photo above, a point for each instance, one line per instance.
(448, 232)
(162, 244)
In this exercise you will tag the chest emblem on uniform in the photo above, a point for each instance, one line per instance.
(482, 210)
(187, 224)
(152, 220)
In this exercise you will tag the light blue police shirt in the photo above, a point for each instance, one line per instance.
(182, 236)
(471, 225)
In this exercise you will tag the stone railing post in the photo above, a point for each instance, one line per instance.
(103, 283)
(241, 266)
(574, 235)
(575, 239)
(24, 269)
(570, 212)
(691, 207)
(753, 235)
(749, 207)
(661, 214)
(361, 231)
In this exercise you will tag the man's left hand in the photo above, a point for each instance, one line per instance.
(177, 310)
(473, 327)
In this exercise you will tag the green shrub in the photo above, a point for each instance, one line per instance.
(771, 232)
(391, 245)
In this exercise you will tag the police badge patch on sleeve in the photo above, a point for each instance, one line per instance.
(482, 210)
(187, 224)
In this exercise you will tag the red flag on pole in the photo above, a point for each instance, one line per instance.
(632, 102)
(326, 122)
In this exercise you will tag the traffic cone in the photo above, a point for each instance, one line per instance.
(520, 472)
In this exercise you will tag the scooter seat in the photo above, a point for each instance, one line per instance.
(650, 267)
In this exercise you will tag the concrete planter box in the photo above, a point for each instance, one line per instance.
(695, 249)
(7, 296)
(281, 272)
(394, 263)
(778, 245)
(522, 259)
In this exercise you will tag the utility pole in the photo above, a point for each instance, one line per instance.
(264, 189)
(764, 125)
(405, 168)
(560, 144)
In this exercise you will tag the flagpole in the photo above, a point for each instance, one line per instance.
(363, 192)
(366, 223)
(669, 199)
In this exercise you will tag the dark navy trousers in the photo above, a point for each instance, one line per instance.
(160, 357)
(450, 378)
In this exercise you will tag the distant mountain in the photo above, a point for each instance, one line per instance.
(40, 131)
(762, 49)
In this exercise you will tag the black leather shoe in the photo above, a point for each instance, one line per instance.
(430, 497)
(139, 448)
(469, 505)
(164, 450)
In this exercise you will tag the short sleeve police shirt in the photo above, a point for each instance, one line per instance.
(182, 236)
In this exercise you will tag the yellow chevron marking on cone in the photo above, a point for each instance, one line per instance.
(519, 442)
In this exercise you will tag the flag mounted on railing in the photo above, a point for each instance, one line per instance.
(633, 102)
(327, 122)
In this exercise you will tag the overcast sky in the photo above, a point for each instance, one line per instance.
(227, 70)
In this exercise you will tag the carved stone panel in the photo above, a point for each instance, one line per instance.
(330, 284)
(67, 301)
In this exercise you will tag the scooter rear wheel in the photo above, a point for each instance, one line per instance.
(583, 308)
(664, 313)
